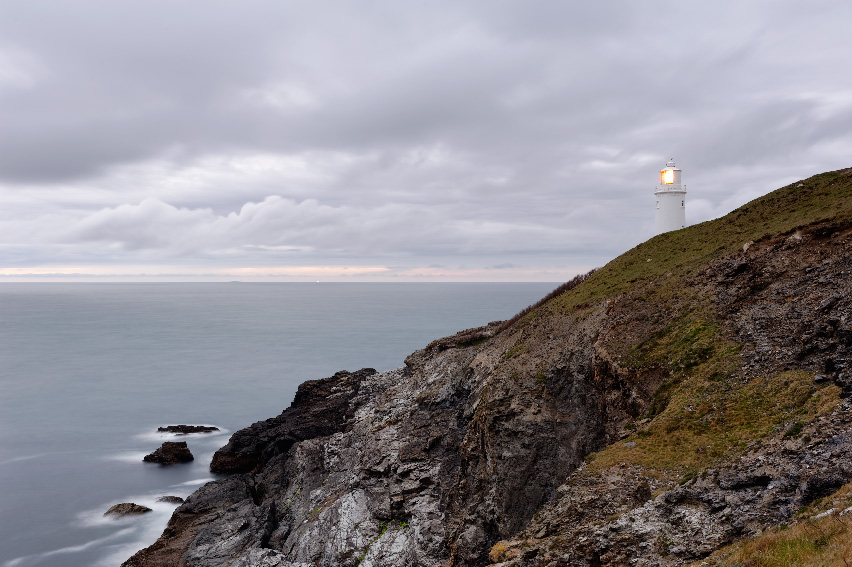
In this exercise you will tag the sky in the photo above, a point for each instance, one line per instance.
(480, 140)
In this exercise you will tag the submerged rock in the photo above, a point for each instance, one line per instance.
(170, 453)
(170, 499)
(126, 509)
(187, 429)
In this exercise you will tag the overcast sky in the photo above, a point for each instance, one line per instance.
(203, 140)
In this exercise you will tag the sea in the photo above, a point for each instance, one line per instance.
(89, 371)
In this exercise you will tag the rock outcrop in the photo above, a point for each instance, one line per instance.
(170, 499)
(187, 429)
(170, 453)
(126, 509)
(319, 409)
(690, 393)
(612, 518)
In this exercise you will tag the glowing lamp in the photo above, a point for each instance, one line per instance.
(667, 177)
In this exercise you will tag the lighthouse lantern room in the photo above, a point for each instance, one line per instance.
(671, 200)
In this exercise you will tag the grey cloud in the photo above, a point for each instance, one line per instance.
(283, 225)
(124, 84)
(501, 129)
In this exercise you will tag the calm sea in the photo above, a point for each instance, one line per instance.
(89, 371)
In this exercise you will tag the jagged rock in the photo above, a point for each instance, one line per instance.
(126, 509)
(199, 512)
(187, 429)
(170, 499)
(320, 408)
(170, 453)
(763, 488)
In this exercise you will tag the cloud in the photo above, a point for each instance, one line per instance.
(495, 130)
(281, 226)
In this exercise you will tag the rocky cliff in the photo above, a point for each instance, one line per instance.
(690, 394)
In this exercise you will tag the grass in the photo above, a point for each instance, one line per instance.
(383, 529)
(706, 412)
(516, 350)
(707, 421)
(564, 288)
(498, 552)
(823, 197)
(794, 431)
(811, 542)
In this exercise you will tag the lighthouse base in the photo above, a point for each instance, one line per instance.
(671, 211)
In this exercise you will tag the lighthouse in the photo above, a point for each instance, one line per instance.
(671, 200)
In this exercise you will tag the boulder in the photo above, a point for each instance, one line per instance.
(170, 499)
(126, 509)
(170, 453)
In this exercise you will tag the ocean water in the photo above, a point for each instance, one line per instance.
(89, 371)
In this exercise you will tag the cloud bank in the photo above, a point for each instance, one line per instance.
(405, 140)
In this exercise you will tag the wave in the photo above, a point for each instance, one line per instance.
(147, 527)
(24, 458)
(41, 455)
(143, 529)
(132, 533)
(157, 438)
(160, 436)
(196, 482)
(127, 456)
(36, 557)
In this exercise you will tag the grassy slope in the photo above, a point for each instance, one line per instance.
(827, 196)
(724, 412)
(706, 413)
(813, 541)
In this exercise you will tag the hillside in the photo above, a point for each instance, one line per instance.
(689, 395)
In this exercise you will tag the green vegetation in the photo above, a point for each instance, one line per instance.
(794, 431)
(706, 421)
(516, 350)
(287, 504)
(705, 411)
(530, 312)
(498, 551)
(823, 197)
(383, 528)
(812, 541)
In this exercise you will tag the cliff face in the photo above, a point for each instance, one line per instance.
(690, 393)
(753, 445)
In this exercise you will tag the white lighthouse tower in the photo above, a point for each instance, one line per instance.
(671, 200)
